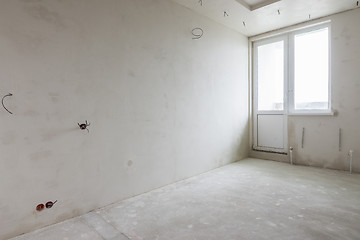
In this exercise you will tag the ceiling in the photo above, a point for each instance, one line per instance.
(252, 17)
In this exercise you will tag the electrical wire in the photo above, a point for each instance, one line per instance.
(2, 102)
(197, 33)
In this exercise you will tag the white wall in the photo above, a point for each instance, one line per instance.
(321, 140)
(162, 106)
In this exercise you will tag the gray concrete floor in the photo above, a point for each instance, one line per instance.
(251, 199)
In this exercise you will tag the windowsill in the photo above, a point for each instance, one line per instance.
(310, 113)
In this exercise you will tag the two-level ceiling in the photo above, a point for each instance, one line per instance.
(252, 17)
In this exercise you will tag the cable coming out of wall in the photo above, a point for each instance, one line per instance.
(197, 33)
(2, 102)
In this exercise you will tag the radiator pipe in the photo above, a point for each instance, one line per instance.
(351, 159)
(302, 138)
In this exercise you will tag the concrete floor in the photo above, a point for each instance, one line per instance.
(251, 199)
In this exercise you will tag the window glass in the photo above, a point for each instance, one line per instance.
(311, 70)
(270, 76)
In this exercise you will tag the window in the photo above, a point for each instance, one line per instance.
(271, 76)
(291, 72)
(311, 70)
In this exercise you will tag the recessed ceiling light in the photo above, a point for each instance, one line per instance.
(256, 4)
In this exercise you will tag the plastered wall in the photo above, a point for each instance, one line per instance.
(321, 141)
(321, 138)
(162, 106)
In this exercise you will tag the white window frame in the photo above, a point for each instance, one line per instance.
(289, 108)
(255, 68)
(291, 81)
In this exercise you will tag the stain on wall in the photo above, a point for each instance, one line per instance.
(41, 12)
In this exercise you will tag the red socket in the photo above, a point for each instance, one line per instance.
(49, 204)
(40, 207)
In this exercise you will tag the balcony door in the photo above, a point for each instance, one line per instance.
(269, 108)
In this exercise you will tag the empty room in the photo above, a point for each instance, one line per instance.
(179, 119)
